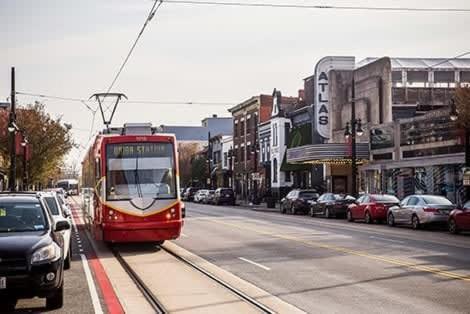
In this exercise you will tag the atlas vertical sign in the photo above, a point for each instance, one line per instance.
(322, 99)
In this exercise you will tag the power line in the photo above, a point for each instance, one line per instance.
(448, 59)
(307, 6)
(58, 98)
(153, 10)
(150, 102)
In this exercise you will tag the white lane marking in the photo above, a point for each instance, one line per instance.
(385, 239)
(91, 286)
(254, 263)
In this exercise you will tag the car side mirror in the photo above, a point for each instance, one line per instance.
(62, 225)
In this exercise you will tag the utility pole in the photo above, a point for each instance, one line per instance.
(209, 153)
(353, 138)
(12, 131)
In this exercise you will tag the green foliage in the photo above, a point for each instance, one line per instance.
(49, 139)
(199, 169)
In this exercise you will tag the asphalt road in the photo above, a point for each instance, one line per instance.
(332, 266)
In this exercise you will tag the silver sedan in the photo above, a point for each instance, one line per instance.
(418, 210)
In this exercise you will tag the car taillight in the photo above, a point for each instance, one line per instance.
(430, 210)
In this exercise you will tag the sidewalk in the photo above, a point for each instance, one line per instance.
(260, 207)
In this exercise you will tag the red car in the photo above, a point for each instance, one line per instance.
(371, 207)
(459, 219)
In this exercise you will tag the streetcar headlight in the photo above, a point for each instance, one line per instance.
(173, 210)
(111, 212)
(49, 253)
(168, 216)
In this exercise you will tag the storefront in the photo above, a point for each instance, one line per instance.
(423, 155)
(333, 159)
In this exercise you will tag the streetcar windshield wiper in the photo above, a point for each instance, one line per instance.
(137, 179)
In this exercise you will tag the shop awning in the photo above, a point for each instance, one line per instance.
(327, 152)
(425, 161)
(285, 166)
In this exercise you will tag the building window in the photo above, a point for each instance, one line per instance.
(248, 152)
(235, 130)
(242, 128)
(263, 151)
(275, 135)
(287, 176)
(242, 154)
(286, 132)
(225, 159)
(248, 125)
(275, 170)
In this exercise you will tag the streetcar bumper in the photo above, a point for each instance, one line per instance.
(142, 231)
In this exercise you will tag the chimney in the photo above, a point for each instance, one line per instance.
(214, 116)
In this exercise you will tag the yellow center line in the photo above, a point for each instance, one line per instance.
(388, 260)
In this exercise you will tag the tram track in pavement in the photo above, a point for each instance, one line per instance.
(243, 296)
(156, 305)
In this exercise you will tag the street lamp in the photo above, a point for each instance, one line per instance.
(353, 129)
(230, 166)
(24, 144)
(454, 115)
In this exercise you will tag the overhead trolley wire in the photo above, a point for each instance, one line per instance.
(152, 12)
(151, 102)
(308, 6)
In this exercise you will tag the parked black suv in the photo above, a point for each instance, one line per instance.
(224, 196)
(31, 252)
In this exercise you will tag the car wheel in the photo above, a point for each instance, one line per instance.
(368, 218)
(453, 226)
(67, 261)
(8, 304)
(327, 213)
(391, 220)
(293, 211)
(57, 300)
(415, 222)
(349, 216)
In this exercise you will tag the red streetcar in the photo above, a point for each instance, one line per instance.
(134, 174)
(371, 207)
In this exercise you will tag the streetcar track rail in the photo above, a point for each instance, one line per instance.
(147, 293)
(237, 292)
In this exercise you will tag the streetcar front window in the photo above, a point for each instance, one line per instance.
(140, 170)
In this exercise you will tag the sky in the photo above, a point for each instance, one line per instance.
(199, 53)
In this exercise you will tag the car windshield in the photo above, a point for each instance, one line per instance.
(21, 217)
(52, 205)
(385, 199)
(340, 197)
(436, 200)
(140, 170)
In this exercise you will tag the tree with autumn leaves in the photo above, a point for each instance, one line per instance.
(462, 102)
(49, 140)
